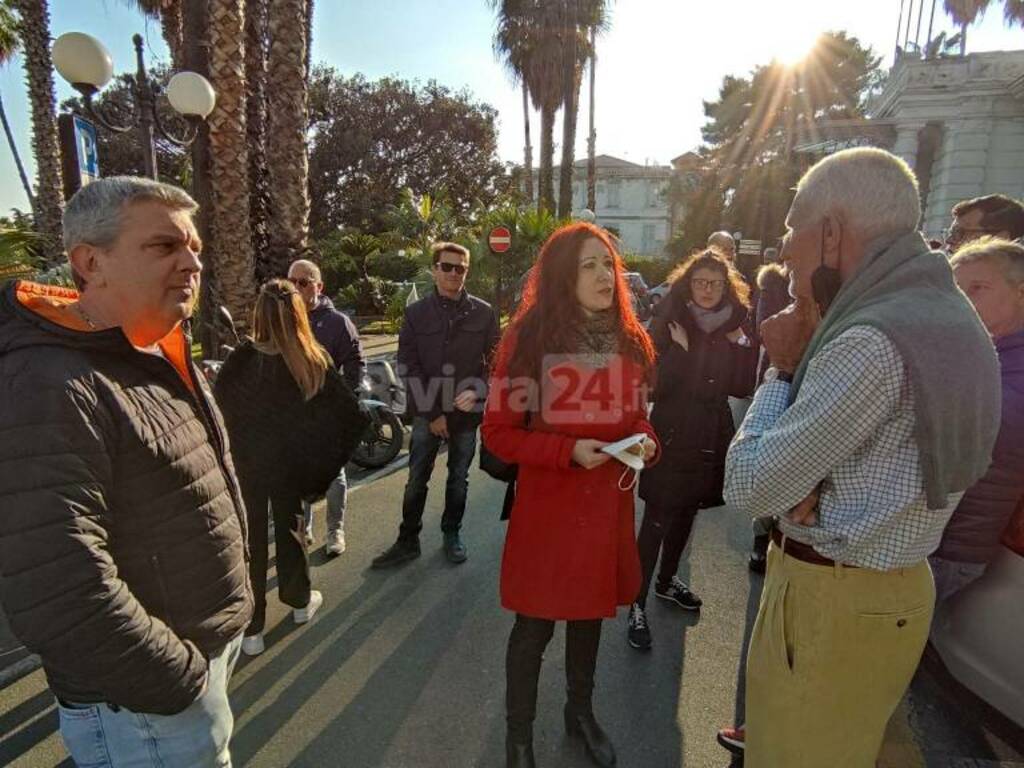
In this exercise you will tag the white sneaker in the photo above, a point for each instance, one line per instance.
(335, 543)
(252, 645)
(302, 615)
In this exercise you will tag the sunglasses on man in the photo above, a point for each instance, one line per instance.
(447, 266)
(303, 282)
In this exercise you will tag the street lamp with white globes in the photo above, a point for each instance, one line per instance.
(86, 64)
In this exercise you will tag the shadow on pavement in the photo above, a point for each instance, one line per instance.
(26, 725)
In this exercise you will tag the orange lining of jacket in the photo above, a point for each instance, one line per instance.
(54, 303)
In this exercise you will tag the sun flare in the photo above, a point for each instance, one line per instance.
(793, 47)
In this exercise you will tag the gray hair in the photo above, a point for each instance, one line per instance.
(93, 214)
(308, 266)
(1007, 256)
(873, 191)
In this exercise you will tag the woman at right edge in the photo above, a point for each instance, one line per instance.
(570, 550)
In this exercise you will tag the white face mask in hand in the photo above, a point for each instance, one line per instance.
(634, 462)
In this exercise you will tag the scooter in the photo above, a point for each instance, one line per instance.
(381, 395)
(210, 367)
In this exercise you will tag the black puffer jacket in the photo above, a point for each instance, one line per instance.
(280, 441)
(122, 534)
(691, 414)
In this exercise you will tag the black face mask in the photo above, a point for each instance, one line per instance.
(825, 281)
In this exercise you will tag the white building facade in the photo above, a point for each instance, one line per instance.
(958, 121)
(632, 199)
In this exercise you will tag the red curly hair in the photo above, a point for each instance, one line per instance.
(549, 313)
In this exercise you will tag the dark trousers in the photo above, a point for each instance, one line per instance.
(292, 563)
(666, 530)
(526, 646)
(423, 448)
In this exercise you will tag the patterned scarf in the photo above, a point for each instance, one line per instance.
(597, 339)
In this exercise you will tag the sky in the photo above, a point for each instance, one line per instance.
(657, 63)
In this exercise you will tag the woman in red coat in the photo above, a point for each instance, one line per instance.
(570, 378)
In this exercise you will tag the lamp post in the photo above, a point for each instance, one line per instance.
(86, 64)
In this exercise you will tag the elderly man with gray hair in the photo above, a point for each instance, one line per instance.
(123, 535)
(880, 410)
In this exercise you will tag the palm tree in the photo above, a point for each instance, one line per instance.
(966, 12)
(8, 46)
(256, 15)
(171, 16)
(287, 122)
(231, 249)
(34, 31)
(510, 47)
(580, 18)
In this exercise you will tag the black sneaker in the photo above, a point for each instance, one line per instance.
(639, 634)
(396, 554)
(677, 592)
(454, 549)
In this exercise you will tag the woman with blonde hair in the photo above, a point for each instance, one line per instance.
(293, 423)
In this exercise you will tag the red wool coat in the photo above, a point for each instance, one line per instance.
(570, 549)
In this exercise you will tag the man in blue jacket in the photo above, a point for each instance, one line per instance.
(443, 351)
(338, 335)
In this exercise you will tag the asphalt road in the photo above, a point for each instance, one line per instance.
(405, 668)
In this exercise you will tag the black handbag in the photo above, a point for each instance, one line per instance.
(503, 471)
(497, 468)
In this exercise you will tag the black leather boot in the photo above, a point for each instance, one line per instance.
(519, 751)
(583, 725)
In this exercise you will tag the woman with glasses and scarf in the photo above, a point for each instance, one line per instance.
(292, 422)
(569, 380)
(703, 358)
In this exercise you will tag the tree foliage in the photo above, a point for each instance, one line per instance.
(371, 140)
(968, 11)
(749, 163)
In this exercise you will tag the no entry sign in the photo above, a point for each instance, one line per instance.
(500, 239)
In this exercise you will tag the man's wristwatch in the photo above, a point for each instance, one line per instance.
(774, 374)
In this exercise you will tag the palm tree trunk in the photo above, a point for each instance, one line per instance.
(287, 123)
(17, 157)
(592, 138)
(528, 151)
(172, 25)
(547, 158)
(256, 127)
(34, 29)
(231, 249)
(570, 98)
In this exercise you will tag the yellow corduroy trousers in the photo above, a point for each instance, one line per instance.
(831, 655)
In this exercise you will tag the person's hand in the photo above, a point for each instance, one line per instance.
(785, 335)
(439, 427)
(588, 453)
(806, 512)
(679, 335)
(466, 400)
(650, 448)
(735, 335)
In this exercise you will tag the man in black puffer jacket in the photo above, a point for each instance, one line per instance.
(122, 532)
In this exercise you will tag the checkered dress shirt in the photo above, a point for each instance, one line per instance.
(851, 429)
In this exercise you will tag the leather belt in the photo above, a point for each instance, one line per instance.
(803, 552)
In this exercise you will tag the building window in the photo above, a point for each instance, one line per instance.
(614, 193)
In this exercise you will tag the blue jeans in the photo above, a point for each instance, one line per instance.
(423, 447)
(337, 500)
(952, 576)
(98, 736)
